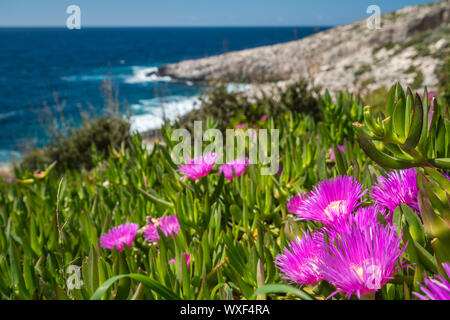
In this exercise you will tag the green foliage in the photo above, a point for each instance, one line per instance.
(75, 151)
(413, 132)
(232, 229)
(376, 98)
(339, 116)
(231, 109)
(444, 81)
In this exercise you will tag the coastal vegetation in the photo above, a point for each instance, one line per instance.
(358, 208)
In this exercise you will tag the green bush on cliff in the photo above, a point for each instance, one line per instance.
(74, 151)
(230, 108)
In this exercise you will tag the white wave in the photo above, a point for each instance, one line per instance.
(7, 115)
(98, 77)
(145, 74)
(6, 156)
(154, 110)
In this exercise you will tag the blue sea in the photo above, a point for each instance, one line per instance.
(52, 74)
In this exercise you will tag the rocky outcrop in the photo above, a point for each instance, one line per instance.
(409, 47)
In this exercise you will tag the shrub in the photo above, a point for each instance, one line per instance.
(230, 109)
(74, 151)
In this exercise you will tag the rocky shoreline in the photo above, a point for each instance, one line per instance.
(409, 48)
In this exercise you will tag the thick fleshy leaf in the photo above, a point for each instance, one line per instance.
(148, 282)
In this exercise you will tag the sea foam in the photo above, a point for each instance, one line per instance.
(145, 74)
(154, 110)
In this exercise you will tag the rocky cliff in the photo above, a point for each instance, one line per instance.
(409, 47)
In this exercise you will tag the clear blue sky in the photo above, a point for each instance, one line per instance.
(193, 12)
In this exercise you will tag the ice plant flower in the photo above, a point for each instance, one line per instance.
(117, 236)
(280, 170)
(151, 232)
(400, 186)
(237, 166)
(263, 118)
(187, 256)
(299, 261)
(361, 260)
(331, 150)
(169, 226)
(438, 289)
(294, 203)
(331, 200)
(364, 216)
(198, 167)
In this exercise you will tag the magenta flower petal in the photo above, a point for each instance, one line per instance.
(331, 151)
(169, 226)
(198, 167)
(299, 261)
(237, 166)
(331, 200)
(438, 289)
(364, 216)
(294, 203)
(361, 260)
(117, 236)
(400, 186)
(187, 256)
(151, 233)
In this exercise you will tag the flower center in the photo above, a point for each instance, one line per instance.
(335, 207)
(370, 275)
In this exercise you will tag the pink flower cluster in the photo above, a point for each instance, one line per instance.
(187, 257)
(201, 166)
(236, 166)
(353, 250)
(126, 233)
(169, 226)
(331, 151)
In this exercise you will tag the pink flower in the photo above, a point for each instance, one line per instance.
(280, 170)
(187, 256)
(237, 166)
(331, 200)
(332, 155)
(151, 232)
(437, 288)
(241, 126)
(198, 167)
(299, 261)
(117, 236)
(364, 216)
(169, 226)
(360, 260)
(294, 203)
(400, 186)
(263, 118)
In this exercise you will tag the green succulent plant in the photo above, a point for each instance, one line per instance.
(414, 131)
